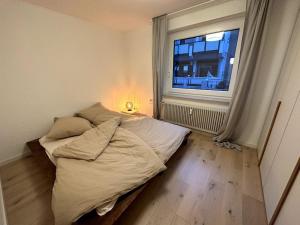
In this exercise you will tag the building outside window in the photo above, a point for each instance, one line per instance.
(205, 62)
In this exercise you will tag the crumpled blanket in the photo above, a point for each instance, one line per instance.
(97, 168)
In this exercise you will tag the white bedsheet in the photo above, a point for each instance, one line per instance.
(164, 138)
(50, 145)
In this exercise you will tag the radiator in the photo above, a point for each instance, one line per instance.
(207, 119)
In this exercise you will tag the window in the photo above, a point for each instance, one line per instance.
(203, 61)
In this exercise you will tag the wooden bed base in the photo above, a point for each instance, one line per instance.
(93, 218)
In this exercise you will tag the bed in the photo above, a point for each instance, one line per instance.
(164, 138)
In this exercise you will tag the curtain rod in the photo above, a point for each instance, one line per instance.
(189, 8)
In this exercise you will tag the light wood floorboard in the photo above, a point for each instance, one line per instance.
(205, 185)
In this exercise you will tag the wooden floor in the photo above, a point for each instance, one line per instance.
(206, 185)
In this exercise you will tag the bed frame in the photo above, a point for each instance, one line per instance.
(93, 218)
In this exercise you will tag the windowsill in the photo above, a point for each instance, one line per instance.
(189, 96)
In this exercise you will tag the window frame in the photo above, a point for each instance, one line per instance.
(214, 95)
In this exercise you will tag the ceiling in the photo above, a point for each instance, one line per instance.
(118, 14)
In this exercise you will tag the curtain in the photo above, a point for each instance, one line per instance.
(159, 44)
(255, 22)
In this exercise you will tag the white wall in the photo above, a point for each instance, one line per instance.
(139, 66)
(51, 65)
(204, 13)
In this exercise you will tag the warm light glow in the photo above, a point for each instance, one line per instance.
(120, 95)
(215, 36)
(117, 97)
(129, 106)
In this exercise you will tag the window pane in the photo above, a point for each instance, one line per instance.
(205, 62)
(212, 45)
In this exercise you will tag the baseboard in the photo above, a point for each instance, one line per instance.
(14, 158)
(202, 132)
(250, 146)
(247, 145)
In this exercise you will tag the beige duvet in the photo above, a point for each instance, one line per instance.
(98, 167)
